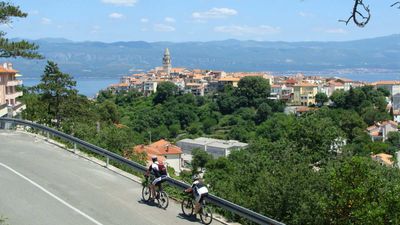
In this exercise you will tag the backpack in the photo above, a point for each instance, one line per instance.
(162, 169)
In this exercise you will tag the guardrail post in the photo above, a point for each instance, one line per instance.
(74, 148)
(48, 136)
(107, 161)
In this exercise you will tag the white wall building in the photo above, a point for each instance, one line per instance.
(216, 147)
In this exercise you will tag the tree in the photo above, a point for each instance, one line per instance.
(14, 49)
(360, 191)
(384, 91)
(55, 87)
(165, 90)
(339, 98)
(264, 112)
(321, 98)
(35, 108)
(253, 91)
(394, 142)
(200, 159)
(108, 112)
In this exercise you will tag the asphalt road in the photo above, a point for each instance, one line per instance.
(41, 184)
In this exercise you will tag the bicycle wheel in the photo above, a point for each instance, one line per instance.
(146, 193)
(206, 215)
(163, 199)
(187, 206)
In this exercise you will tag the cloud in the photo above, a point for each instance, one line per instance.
(306, 14)
(46, 21)
(144, 20)
(163, 28)
(169, 20)
(95, 29)
(116, 15)
(33, 12)
(214, 13)
(335, 31)
(120, 2)
(243, 30)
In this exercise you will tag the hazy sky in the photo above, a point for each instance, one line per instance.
(199, 20)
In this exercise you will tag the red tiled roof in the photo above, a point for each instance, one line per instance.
(386, 82)
(3, 70)
(233, 79)
(305, 85)
(385, 158)
(159, 148)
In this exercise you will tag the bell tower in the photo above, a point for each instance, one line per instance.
(167, 62)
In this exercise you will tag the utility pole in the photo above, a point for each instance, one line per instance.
(150, 137)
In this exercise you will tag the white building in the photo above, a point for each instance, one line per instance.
(216, 147)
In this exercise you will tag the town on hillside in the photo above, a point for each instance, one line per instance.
(298, 92)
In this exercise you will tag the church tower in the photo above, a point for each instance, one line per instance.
(167, 62)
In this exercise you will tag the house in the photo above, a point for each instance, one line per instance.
(332, 86)
(149, 87)
(383, 159)
(8, 91)
(396, 116)
(392, 86)
(380, 131)
(165, 151)
(276, 91)
(216, 147)
(396, 101)
(228, 81)
(304, 94)
(198, 89)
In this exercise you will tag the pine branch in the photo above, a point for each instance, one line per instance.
(396, 4)
(18, 49)
(360, 15)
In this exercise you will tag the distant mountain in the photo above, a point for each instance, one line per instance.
(98, 59)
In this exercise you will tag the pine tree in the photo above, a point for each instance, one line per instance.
(18, 48)
(55, 88)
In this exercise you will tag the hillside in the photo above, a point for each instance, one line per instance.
(98, 59)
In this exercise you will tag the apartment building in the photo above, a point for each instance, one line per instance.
(304, 94)
(8, 91)
(392, 86)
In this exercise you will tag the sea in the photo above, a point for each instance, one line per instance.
(91, 86)
(86, 86)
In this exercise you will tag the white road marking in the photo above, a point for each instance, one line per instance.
(51, 194)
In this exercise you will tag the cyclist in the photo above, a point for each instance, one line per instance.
(160, 172)
(199, 190)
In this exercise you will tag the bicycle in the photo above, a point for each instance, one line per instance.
(161, 196)
(205, 212)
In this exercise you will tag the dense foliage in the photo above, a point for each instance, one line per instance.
(311, 169)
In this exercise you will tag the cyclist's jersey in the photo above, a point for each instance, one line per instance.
(199, 188)
(154, 168)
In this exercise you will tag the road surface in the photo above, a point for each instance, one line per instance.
(42, 184)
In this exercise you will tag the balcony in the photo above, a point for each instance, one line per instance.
(14, 95)
(3, 110)
(11, 83)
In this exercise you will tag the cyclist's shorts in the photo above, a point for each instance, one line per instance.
(159, 180)
(201, 197)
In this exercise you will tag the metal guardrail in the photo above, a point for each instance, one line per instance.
(239, 210)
